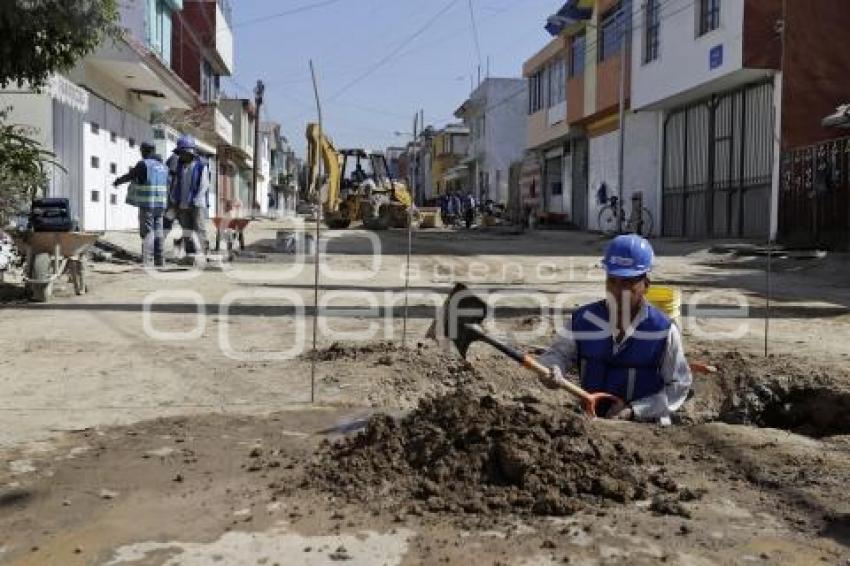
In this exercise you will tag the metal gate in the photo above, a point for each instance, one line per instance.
(718, 160)
(814, 196)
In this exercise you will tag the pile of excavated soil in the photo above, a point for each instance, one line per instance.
(776, 392)
(344, 351)
(386, 375)
(467, 453)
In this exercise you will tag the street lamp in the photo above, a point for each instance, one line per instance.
(259, 90)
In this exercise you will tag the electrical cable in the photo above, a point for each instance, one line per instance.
(389, 56)
(290, 12)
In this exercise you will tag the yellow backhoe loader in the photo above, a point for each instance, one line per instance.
(356, 186)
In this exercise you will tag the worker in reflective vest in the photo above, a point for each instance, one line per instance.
(188, 195)
(148, 191)
(623, 345)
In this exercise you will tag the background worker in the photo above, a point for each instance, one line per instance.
(148, 191)
(188, 195)
(623, 345)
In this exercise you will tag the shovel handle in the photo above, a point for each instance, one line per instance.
(543, 371)
(529, 362)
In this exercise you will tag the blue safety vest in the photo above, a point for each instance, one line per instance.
(198, 166)
(153, 193)
(634, 371)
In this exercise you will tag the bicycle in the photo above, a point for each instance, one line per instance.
(637, 222)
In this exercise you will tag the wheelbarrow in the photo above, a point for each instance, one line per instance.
(50, 255)
(226, 228)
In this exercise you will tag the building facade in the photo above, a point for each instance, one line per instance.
(573, 130)
(706, 74)
(237, 159)
(494, 112)
(96, 115)
(449, 146)
(147, 85)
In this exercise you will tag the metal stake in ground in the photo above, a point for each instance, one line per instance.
(769, 291)
(625, 59)
(409, 234)
(316, 253)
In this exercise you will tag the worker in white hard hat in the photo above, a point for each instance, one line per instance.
(623, 345)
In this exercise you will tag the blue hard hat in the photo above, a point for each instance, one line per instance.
(185, 143)
(629, 255)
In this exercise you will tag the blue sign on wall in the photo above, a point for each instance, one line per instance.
(715, 57)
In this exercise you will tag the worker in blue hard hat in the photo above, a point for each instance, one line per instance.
(188, 194)
(623, 345)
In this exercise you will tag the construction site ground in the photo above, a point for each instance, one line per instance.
(162, 419)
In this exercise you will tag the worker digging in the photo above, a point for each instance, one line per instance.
(624, 345)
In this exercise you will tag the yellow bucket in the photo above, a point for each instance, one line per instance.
(667, 299)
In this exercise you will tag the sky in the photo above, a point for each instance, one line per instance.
(378, 62)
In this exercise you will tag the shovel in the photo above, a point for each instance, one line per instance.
(460, 320)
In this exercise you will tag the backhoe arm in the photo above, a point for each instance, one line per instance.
(319, 147)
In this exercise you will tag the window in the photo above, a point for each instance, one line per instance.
(95, 129)
(651, 27)
(113, 137)
(113, 199)
(557, 87)
(535, 92)
(132, 143)
(159, 29)
(95, 162)
(158, 135)
(113, 168)
(709, 16)
(611, 34)
(209, 83)
(95, 196)
(577, 53)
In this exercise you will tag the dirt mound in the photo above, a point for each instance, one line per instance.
(344, 351)
(467, 453)
(775, 392)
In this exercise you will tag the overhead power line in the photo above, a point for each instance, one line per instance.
(389, 56)
(290, 12)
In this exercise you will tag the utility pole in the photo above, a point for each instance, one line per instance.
(625, 60)
(259, 90)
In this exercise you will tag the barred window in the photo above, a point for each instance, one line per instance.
(709, 16)
(611, 34)
(652, 26)
(578, 48)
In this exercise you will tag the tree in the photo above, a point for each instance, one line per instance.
(39, 37)
(22, 167)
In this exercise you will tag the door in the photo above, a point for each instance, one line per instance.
(579, 181)
(718, 161)
(554, 183)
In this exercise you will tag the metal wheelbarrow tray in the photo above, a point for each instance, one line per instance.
(226, 228)
(49, 255)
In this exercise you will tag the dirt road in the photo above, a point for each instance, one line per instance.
(168, 418)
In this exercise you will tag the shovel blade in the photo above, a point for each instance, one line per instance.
(461, 310)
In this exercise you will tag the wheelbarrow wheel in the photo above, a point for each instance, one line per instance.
(79, 277)
(40, 270)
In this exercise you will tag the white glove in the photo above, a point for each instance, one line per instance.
(555, 379)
